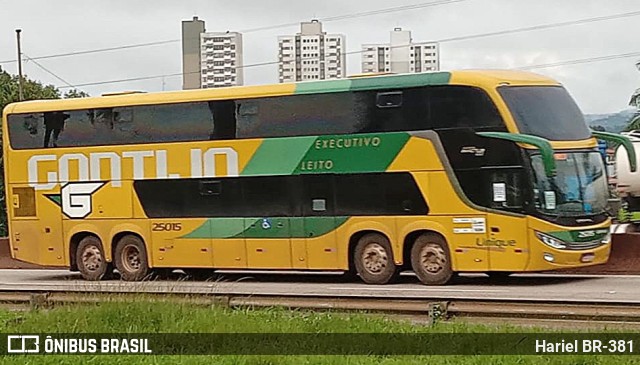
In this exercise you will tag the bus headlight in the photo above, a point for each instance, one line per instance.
(551, 241)
(606, 239)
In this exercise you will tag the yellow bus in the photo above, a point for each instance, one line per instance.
(439, 173)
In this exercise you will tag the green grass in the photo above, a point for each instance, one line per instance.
(143, 316)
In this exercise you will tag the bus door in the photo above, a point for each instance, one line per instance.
(507, 232)
(267, 232)
(507, 242)
(319, 221)
(36, 227)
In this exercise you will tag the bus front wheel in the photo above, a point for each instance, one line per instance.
(90, 259)
(131, 258)
(431, 260)
(373, 259)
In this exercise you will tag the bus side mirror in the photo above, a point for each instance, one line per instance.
(546, 150)
(625, 142)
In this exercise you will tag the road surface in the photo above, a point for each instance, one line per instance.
(535, 287)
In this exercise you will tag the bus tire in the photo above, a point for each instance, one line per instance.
(131, 258)
(431, 260)
(90, 259)
(373, 259)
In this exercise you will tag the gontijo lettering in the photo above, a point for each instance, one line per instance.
(203, 164)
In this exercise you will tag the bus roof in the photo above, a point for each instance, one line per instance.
(482, 78)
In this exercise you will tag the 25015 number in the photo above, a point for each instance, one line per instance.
(166, 227)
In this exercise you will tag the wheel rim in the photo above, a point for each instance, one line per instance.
(92, 258)
(433, 258)
(130, 258)
(375, 258)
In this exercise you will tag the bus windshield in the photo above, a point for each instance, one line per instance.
(545, 111)
(579, 187)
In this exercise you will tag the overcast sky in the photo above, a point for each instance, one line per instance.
(53, 27)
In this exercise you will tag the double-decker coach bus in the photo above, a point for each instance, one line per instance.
(439, 173)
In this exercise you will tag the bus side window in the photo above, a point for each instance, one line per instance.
(318, 195)
(391, 99)
(247, 117)
(399, 110)
(54, 124)
(224, 119)
(462, 107)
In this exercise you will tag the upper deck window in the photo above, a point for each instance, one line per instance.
(453, 107)
(123, 125)
(441, 107)
(545, 111)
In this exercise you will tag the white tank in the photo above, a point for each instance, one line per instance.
(628, 183)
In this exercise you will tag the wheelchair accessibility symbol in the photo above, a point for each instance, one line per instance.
(266, 224)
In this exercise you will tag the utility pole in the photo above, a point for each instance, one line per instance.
(20, 86)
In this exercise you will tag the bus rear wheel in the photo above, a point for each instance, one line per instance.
(373, 259)
(90, 259)
(131, 258)
(431, 260)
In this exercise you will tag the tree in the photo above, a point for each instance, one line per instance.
(32, 90)
(75, 93)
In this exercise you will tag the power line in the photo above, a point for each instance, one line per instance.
(452, 39)
(98, 50)
(47, 71)
(362, 14)
(373, 12)
(251, 30)
(542, 26)
(77, 53)
(530, 67)
(159, 76)
(126, 80)
(580, 61)
(359, 15)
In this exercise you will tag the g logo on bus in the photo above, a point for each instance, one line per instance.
(75, 198)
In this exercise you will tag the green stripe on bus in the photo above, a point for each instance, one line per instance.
(400, 81)
(329, 86)
(293, 227)
(223, 228)
(273, 227)
(278, 156)
(352, 153)
(373, 83)
(580, 236)
(372, 152)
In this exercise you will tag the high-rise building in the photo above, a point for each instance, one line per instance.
(401, 55)
(191, 30)
(311, 54)
(221, 59)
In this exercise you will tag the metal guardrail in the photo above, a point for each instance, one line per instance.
(424, 310)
